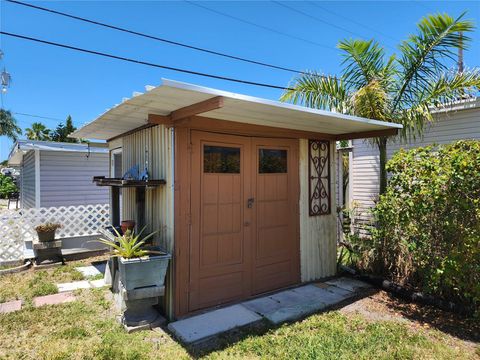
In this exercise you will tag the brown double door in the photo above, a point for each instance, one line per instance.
(244, 216)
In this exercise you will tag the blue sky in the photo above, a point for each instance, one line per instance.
(55, 82)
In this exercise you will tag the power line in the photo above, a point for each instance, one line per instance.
(259, 25)
(38, 116)
(153, 37)
(141, 62)
(311, 16)
(295, 71)
(351, 20)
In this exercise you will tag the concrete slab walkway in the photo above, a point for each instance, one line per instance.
(10, 306)
(54, 299)
(92, 270)
(287, 305)
(82, 284)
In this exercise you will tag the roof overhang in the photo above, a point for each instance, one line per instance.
(174, 100)
(21, 147)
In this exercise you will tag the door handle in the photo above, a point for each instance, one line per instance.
(250, 203)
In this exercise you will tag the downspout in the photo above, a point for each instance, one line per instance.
(37, 178)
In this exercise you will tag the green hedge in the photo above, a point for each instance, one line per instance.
(427, 224)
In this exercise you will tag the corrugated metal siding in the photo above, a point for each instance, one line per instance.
(462, 124)
(27, 191)
(156, 145)
(155, 142)
(66, 178)
(318, 234)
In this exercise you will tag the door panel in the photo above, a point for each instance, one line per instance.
(244, 214)
(276, 248)
(219, 266)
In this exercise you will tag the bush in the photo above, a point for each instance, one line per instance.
(7, 186)
(427, 224)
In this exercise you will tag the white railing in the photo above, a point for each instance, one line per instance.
(18, 226)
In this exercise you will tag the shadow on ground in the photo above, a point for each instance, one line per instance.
(462, 327)
(221, 342)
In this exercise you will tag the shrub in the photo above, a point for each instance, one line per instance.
(427, 224)
(7, 186)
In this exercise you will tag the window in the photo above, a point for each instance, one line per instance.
(319, 177)
(272, 161)
(221, 159)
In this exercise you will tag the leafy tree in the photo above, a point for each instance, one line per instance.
(38, 131)
(403, 89)
(7, 186)
(63, 130)
(8, 125)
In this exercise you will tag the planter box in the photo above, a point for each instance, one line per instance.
(46, 236)
(143, 272)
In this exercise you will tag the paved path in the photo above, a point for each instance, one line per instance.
(287, 305)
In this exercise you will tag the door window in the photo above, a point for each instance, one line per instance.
(272, 161)
(221, 159)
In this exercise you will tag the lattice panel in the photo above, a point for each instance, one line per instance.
(16, 227)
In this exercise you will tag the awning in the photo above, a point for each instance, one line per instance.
(172, 96)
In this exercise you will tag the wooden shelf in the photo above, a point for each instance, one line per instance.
(118, 182)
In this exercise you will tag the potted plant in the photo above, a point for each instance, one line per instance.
(127, 225)
(137, 266)
(46, 232)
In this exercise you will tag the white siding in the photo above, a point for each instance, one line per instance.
(27, 185)
(318, 234)
(364, 171)
(66, 178)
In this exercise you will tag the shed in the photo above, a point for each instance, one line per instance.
(249, 201)
(56, 174)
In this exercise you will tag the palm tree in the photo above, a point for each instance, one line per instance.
(37, 131)
(404, 89)
(8, 125)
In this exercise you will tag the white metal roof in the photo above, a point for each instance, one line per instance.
(21, 147)
(173, 95)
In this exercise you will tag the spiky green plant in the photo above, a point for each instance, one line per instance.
(404, 89)
(128, 245)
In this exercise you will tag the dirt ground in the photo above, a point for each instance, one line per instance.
(384, 306)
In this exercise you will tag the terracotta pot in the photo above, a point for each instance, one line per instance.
(45, 236)
(127, 225)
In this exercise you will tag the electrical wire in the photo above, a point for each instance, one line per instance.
(141, 62)
(38, 116)
(153, 37)
(133, 32)
(251, 23)
(351, 20)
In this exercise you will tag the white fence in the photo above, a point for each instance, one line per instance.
(18, 226)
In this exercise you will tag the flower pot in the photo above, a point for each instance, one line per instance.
(127, 225)
(142, 272)
(45, 236)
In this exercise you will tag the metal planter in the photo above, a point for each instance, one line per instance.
(142, 272)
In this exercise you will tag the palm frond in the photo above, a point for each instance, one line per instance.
(319, 92)
(371, 101)
(363, 61)
(423, 54)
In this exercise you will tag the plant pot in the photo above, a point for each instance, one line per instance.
(45, 236)
(127, 225)
(142, 272)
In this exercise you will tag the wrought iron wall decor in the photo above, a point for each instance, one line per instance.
(319, 177)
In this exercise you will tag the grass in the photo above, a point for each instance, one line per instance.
(28, 284)
(86, 329)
